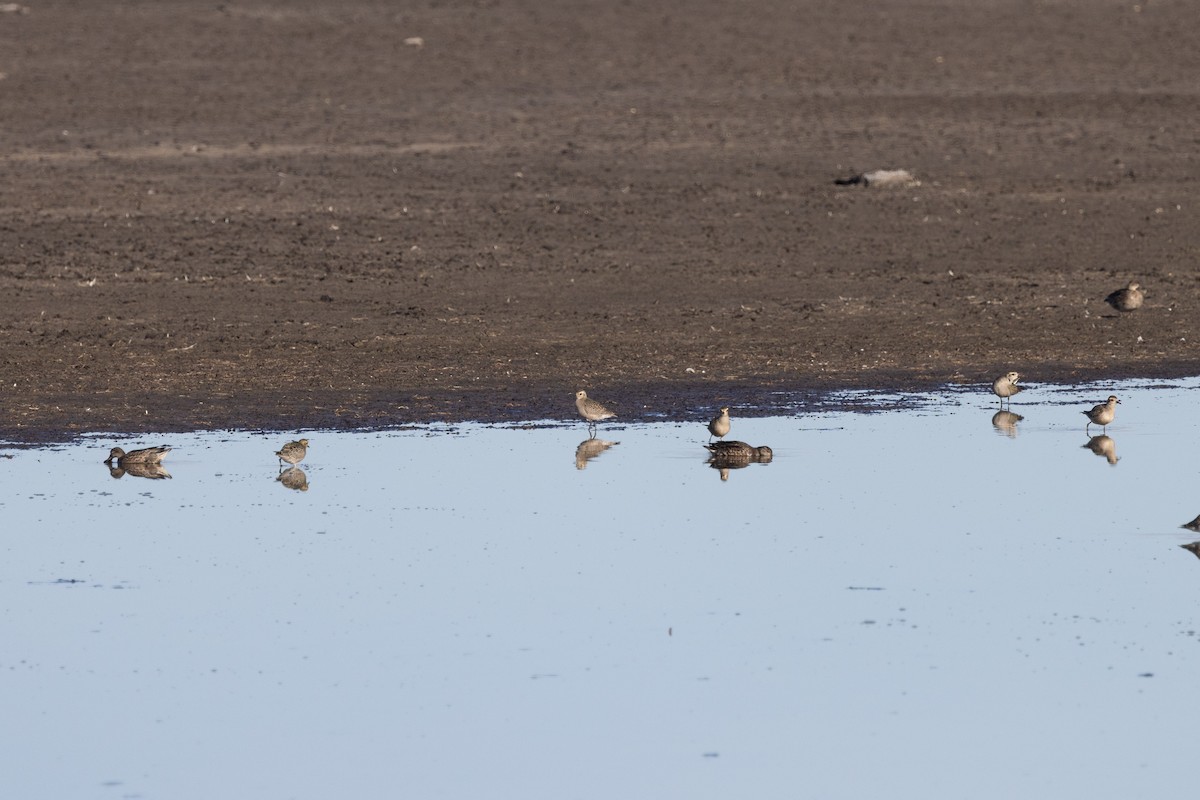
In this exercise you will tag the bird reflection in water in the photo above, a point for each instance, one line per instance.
(294, 478)
(144, 463)
(1005, 423)
(1193, 547)
(138, 469)
(589, 449)
(1103, 446)
(726, 456)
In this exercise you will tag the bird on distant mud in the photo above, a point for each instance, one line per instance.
(1128, 299)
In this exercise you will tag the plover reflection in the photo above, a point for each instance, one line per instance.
(590, 410)
(1128, 299)
(589, 449)
(1193, 548)
(1102, 414)
(1103, 446)
(719, 425)
(1006, 386)
(1005, 422)
(293, 452)
(147, 455)
(294, 478)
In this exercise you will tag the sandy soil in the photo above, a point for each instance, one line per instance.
(298, 214)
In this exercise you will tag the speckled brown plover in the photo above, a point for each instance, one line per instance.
(590, 410)
(293, 452)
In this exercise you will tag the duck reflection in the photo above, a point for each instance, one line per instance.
(1005, 423)
(1193, 548)
(137, 469)
(589, 449)
(294, 478)
(726, 456)
(1103, 446)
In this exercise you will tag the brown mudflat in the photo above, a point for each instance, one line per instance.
(361, 213)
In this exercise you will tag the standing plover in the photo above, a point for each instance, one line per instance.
(1006, 386)
(1102, 414)
(590, 410)
(293, 452)
(719, 425)
(1128, 299)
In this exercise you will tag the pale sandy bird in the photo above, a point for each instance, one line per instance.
(1103, 446)
(719, 425)
(1102, 414)
(147, 455)
(1128, 299)
(293, 452)
(1006, 386)
(590, 410)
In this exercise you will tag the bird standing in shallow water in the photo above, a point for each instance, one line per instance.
(293, 452)
(590, 410)
(1006, 386)
(1128, 299)
(719, 425)
(147, 455)
(1103, 413)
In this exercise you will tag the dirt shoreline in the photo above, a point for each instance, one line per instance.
(293, 216)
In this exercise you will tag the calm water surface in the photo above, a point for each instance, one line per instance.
(905, 604)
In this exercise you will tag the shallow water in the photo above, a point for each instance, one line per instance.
(903, 604)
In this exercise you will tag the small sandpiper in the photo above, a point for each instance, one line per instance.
(1006, 386)
(147, 455)
(719, 425)
(1128, 299)
(590, 410)
(1102, 414)
(292, 452)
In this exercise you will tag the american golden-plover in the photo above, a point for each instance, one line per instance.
(1006, 386)
(293, 452)
(1128, 299)
(590, 410)
(1102, 414)
(719, 425)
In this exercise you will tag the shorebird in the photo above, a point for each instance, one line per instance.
(292, 452)
(719, 425)
(147, 455)
(1102, 414)
(590, 410)
(739, 451)
(1006, 386)
(1128, 299)
(1194, 525)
